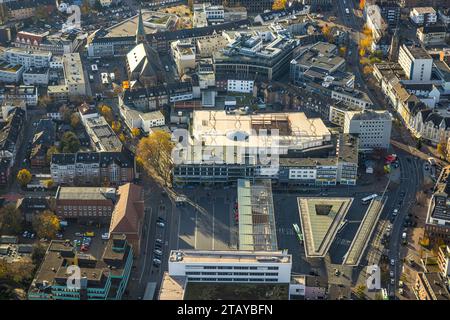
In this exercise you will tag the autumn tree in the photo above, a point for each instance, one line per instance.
(46, 224)
(367, 69)
(362, 4)
(279, 4)
(69, 143)
(10, 219)
(106, 112)
(360, 291)
(48, 183)
(75, 120)
(116, 126)
(442, 148)
(343, 51)
(24, 177)
(135, 132)
(154, 153)
(50, 152)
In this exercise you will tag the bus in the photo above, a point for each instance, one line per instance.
(367, 199)
(298, 232)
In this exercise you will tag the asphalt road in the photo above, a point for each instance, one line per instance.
(411, 181)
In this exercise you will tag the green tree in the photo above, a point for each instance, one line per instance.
(37, 256)
(10, 220)
(65, 113)
(69, 143)
(46, 224)
(24, 177)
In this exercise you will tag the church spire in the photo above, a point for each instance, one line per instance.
(140, 32)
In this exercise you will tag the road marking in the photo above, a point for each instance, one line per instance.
(195, 230)
(213, 220)
(146, 244)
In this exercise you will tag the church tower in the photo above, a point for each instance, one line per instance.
(140, 32)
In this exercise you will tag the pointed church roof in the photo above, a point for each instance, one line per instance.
(140, 32)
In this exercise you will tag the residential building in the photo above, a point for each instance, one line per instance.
(103, 138)
(390, 10)
(416, 62)
(128, 215)
(432, 125)
(430, 286)
(352, 97)
(144, 121)
(183, 54)
(423, 15)
(437, 224)
(43, 139)
(432, 35)
(92, 168)
(443, 260)
(74, 75)
(102, 278)
(58, 43)
(10, 140)
(375, 22)
(30, 206)
(85, 204)
(10, 73)
(27, 58)
(241, 86)
(36, 76)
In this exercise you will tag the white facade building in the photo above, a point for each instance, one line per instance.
(416, 63)
(231, 266)
(36, 76)
(423, 15)
(372, 127)
(27, 58)
(74, 75)
(243, 86)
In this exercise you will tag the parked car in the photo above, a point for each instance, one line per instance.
(160, 224)
(78, 234)
(156, 261)
(159, 241)
(105, 236)
(89, 234)
(157, 252)
(392, 262)
(391, 274)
